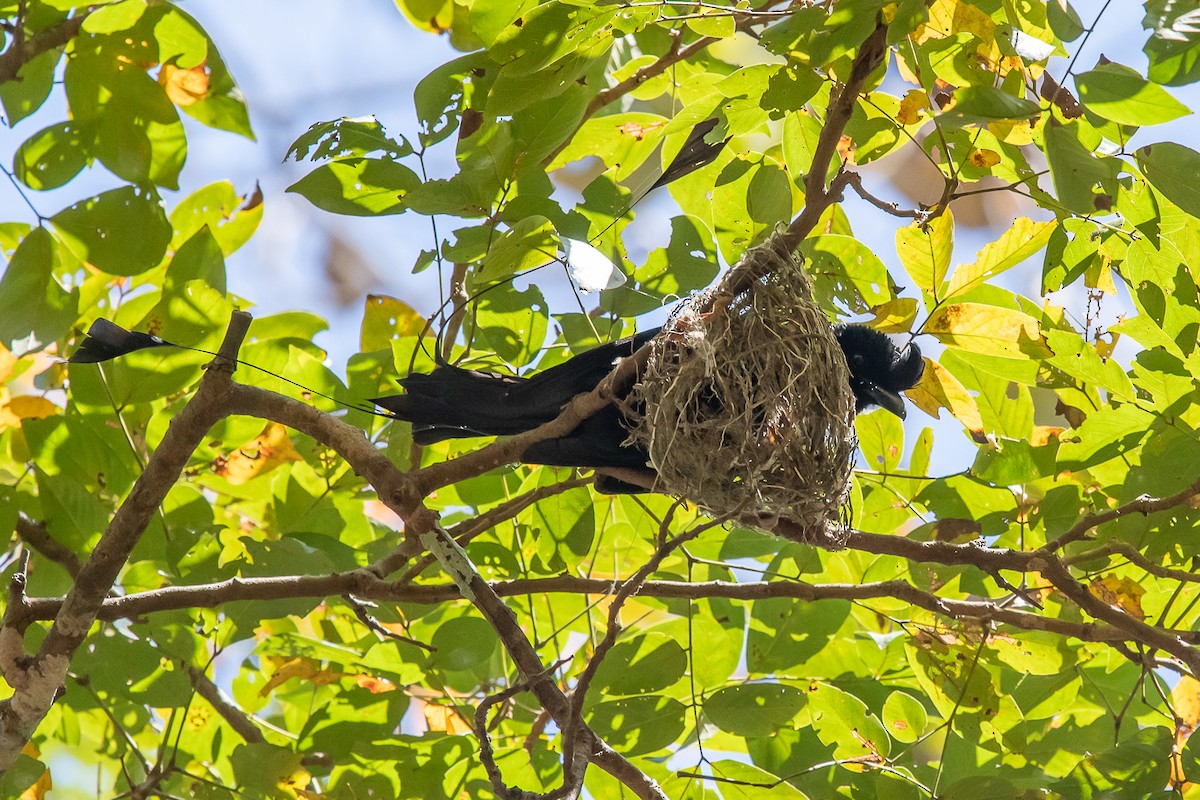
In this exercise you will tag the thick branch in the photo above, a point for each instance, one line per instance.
(21, 51)
(37, 685)
(364, 584)
(1166, 640)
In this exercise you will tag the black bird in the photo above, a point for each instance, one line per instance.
(452, 402)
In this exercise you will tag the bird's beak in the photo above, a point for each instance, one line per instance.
(885, 398)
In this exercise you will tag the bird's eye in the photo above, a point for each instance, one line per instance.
(857, 360)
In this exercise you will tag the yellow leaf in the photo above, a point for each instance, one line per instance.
(386, 318)
(1018, 133)
(304, 669)
(25, 406)
(939, 389)
(260, 455)
(7, 362)
(445, 718)
(987, 329)
(895, 316)
(914, 102)
(184, 86)
(983, 158)
(949, 17)
(1120, 592)
(1185, 697)
(43, 784)
(1042, 434)
(1022, 239)
(925, 253)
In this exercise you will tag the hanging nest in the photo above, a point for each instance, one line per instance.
(745, 408)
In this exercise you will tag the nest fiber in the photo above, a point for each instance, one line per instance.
(745, 405)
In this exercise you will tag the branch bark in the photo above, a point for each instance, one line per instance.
(37, 682)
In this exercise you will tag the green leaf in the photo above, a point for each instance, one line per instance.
(530, 243)
(754, 709)
(115, 17)
(346, 136)
(843, 720)
(224, 106)
(181, 40)
(845, 269)
(976, 104)
(514, 323)
(34, 309)
(138, 133)
(200, 259)
(122, 232)
(26, 94)
(1172, 168)
(1120, 94)
(641, 665)
(1085, 183)
(53, 156)
(904, 716)
(462, 643)
(362, 187)
(231, 219)
(638, 725)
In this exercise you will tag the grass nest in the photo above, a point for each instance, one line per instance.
(744, 404)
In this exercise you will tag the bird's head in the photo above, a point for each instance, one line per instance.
(878, 370)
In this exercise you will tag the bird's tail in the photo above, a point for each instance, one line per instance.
(452, 402)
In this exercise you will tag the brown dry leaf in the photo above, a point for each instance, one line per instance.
(184, 86)
(304, 669)
(375, 684)
(845, 148)
(952, 530)
(260, 455)
(638, 131)
(1120, 592)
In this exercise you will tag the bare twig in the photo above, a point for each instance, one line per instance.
(1140, 505)
(39, 539)
(233, 715)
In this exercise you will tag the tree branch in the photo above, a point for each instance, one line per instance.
(363, 584)
(37, 685)
(21, 50)
(233, 715)
(1139, 505)
(39, 539)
